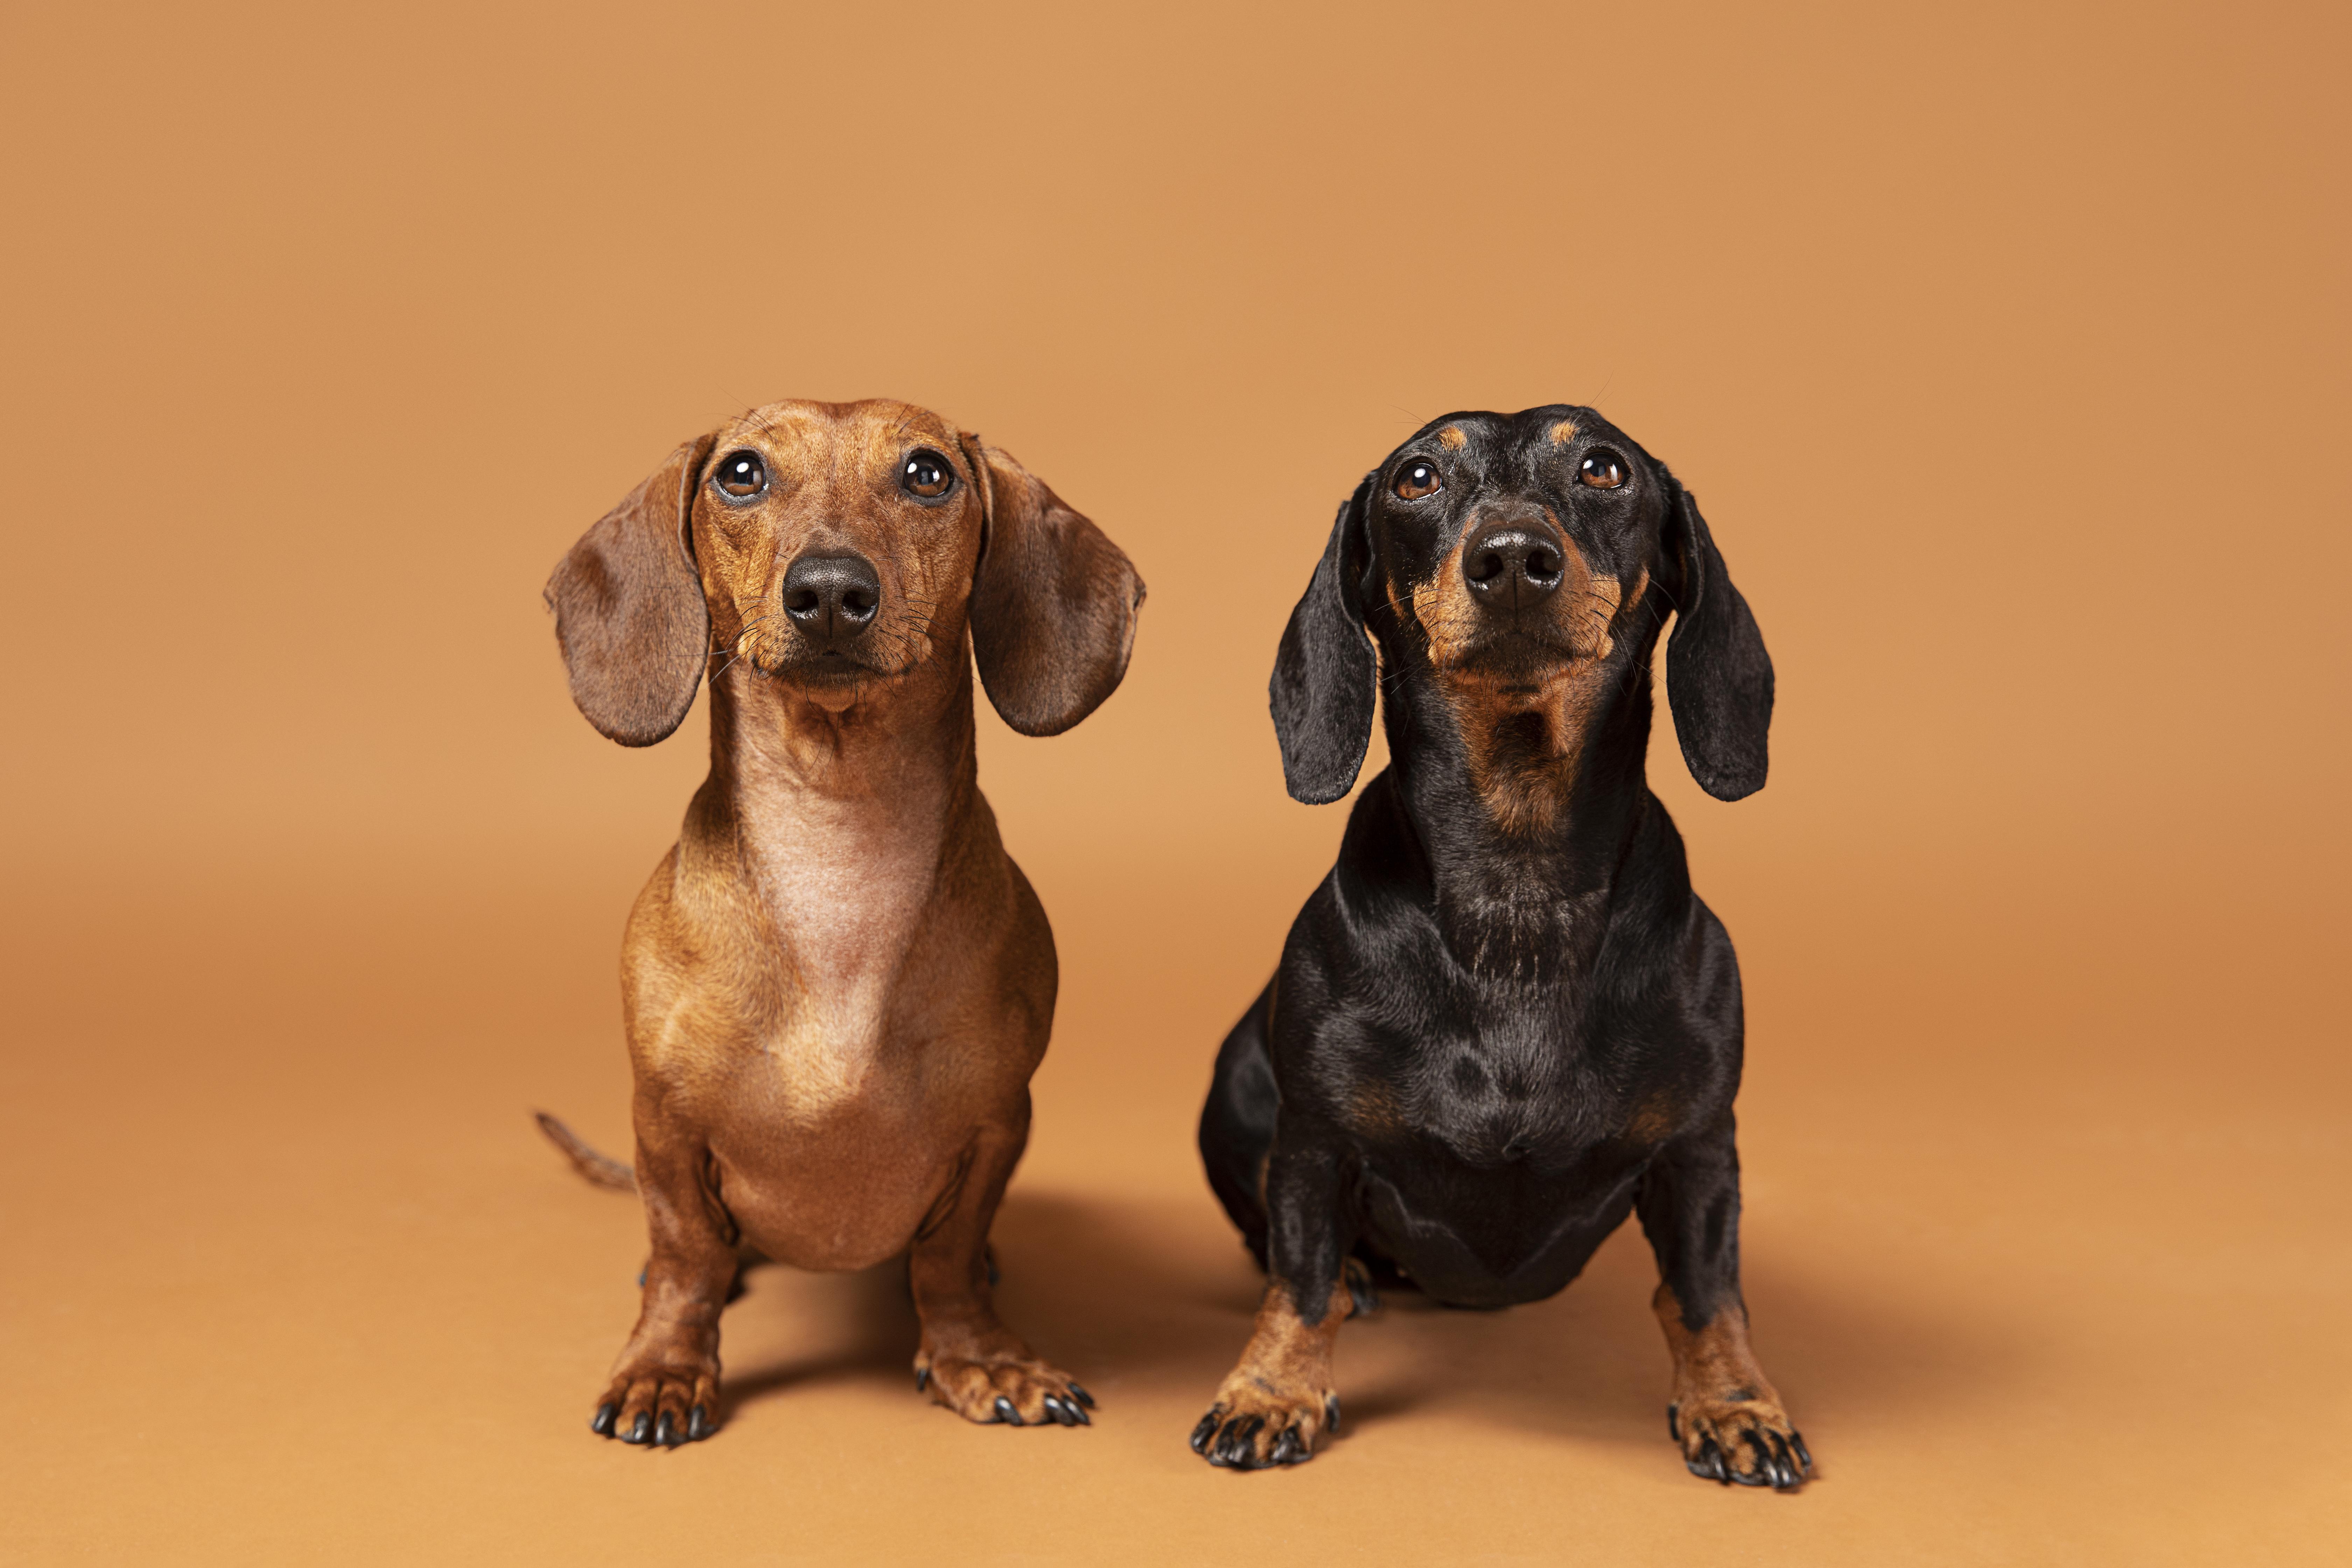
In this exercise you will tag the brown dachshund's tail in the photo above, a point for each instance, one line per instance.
(601, 1169)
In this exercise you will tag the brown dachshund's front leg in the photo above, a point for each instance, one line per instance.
(969, 1360)
(664, 1387)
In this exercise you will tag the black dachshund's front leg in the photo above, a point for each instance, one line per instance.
(1725, 1412)
(1279, 1399)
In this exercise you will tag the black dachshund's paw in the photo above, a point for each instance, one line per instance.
(1740, 1442)
(1253, 1427)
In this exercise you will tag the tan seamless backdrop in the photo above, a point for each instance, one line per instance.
(2006, 346)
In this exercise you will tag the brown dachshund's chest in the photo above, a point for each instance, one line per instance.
(820, 1002)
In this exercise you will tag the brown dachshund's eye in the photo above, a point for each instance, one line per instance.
(1602, 471)
(927, 475)
(1419, 478)
(741, 474)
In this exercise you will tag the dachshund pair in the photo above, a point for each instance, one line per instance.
(1501, 1024)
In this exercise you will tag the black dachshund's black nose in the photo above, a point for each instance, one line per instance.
(1512, 565)
(832, 598)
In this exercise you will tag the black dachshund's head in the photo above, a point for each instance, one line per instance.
(1517, 568)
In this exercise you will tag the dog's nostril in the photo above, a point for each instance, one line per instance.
(1486, 566)
(806, 602)
(1542, 565)
(858, 603)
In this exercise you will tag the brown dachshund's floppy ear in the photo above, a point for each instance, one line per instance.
(1719, 677)
(1324, 674)
(628, 608)
(1054, 601)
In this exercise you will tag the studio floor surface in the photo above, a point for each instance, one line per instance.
(291, 1278)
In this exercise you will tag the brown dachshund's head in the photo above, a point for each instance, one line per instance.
(840, 548)
(1520, 566)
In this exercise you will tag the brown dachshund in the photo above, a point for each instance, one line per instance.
(837, 984)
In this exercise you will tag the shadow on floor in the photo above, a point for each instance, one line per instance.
(1150, 1300)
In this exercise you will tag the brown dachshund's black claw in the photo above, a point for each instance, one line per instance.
(1083, 1396)
(1290, 1448)
(1204, 1432)
(1797, 1441)
(922, 1378)
(1674, 1422)
(1331, 1412)
(606, 1416)
(665, 1432)
(1006, 1414)
(1707, 1464)
(697, 1425)
(1059, 1412)
(643, 1431)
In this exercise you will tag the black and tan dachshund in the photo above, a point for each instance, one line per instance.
(1504, 1021)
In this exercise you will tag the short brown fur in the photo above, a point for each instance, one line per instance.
(1283, 1385)
(1721, 1395)
(837, 984)
(1523, 737)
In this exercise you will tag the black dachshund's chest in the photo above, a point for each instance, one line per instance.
(1495, 1158)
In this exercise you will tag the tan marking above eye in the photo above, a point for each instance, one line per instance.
(1563, 433)
(1452, 439)
(1602, 470)
(1417, 478)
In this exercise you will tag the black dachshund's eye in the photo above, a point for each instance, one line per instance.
(1419, 478)
(927, 474)
(1603, 470)
(741, 474)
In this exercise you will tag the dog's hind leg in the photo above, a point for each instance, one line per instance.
(1726, 1415)
(969, 1361)
(1237, 1124)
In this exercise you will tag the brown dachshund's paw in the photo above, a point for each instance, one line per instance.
(1253, 1425)
(1742, 1442)
(660, 1405)
(1013, 1390)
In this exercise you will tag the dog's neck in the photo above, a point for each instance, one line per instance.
(902, 746)
(840, 816)
(1523, 814)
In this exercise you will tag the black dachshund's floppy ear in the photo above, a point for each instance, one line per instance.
(1325, 676)
(1054, 601)
(1719, 677)
(629, 606)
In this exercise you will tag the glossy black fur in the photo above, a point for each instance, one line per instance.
(1481, 1049)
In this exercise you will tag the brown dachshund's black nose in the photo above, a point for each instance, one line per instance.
(1511, 565)
(832, 598)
